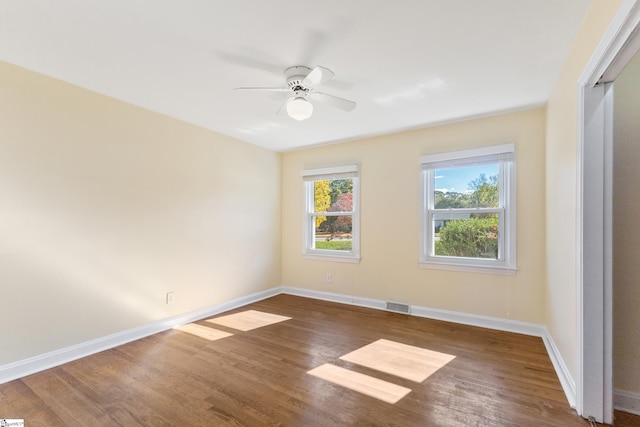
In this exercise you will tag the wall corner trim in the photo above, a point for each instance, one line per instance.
(566, 380)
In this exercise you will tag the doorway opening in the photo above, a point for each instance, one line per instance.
(594, 244)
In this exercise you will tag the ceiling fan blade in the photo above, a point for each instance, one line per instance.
(252, 59)
(317, 76)
(334, 101)
(265, 89)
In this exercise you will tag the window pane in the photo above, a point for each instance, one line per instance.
(331, 220)
(466, 235)
(333, 195)
(466, 187)
(334, 233)
(321, 196)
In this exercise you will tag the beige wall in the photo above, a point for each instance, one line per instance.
(626, 229)
(561, 184)
(390, 221)
(104, 207)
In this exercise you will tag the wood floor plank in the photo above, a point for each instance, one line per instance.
(259, 377)
(625, 419)
(61, 392)
(17, 398)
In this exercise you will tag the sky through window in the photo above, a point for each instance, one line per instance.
(458, 179)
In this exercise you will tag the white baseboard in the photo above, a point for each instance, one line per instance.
(51, 359)
(627, 401)
(333, 297)
(566, 380)
(19, 369)
(431, 313)
(532, 329)
(481, 321)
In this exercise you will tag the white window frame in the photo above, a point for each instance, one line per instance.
(309, 176)
(504, 156)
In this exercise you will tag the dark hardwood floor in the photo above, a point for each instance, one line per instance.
(259, 377)
(625, 419)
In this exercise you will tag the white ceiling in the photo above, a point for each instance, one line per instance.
(407, 63)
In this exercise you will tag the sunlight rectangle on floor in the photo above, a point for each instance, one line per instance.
(373, 387)
(402, 360)
(248, 320)
(203, 331)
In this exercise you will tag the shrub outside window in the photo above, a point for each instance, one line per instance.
(468, 210)
(331, 224)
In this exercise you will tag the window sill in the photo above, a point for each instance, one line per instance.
(502, 271)
(332, 258)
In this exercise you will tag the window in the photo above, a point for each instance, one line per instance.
(331, 223)
(468, 210)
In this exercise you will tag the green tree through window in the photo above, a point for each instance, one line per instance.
(331, 225)
(469, 209)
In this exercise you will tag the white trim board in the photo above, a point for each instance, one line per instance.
(430, 313)
(626, 401)
(54, 358)
(525, 328)
(566, 380)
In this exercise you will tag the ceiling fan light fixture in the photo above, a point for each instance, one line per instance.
(299, 108)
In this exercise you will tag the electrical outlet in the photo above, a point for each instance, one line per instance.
(170, 297)
(329, 278)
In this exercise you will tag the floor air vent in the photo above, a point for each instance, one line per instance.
(398, 307)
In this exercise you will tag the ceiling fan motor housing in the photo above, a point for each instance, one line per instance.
(295, 76)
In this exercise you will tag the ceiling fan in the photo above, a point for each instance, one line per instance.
(301, 82)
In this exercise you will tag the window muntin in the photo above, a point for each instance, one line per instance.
(472, 226)
(331, 226)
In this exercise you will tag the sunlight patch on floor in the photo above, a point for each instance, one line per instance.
(248, 320)
(373, 387)
(203, 331)
(394, 358)
(402, 360)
